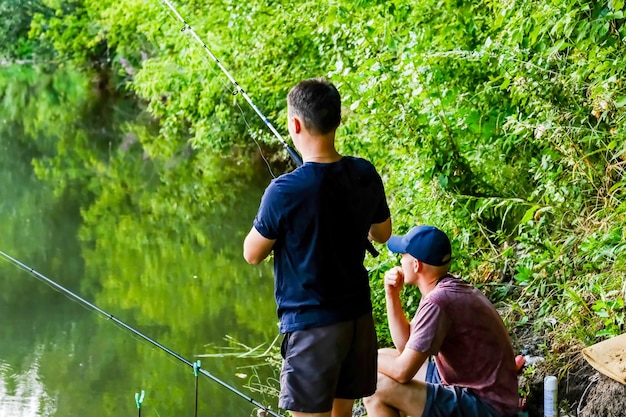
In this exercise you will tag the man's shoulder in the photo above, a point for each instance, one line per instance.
(451, 287)
(362, 169)
(290, 179)
(450, 281)
(456, 296)
(358, 162)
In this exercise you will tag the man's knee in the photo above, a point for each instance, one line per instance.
(370, 402)
(383, 385)
(409, 399)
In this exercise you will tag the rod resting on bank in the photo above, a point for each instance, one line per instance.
(136, 332)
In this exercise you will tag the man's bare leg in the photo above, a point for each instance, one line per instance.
(341, 408)
(421, 374)
(300, 414)
(393, 399)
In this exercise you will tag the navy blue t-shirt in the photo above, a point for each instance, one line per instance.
(320, 215)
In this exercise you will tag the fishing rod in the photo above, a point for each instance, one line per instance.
(291, 151)
(136, 332)
(295, 157)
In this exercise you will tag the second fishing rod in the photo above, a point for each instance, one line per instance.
(295, 157)
(196, 368)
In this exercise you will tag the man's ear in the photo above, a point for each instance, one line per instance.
(417, 265)
(297, 126)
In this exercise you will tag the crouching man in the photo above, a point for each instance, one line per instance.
(473, 372)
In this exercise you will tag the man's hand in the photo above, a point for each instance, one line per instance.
(398, 323)
(394, 281)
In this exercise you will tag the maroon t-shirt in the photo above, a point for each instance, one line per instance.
(459, 325)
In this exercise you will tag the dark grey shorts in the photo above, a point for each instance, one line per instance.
(324, 363)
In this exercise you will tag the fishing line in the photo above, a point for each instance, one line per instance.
(238, 90)
(135, 332)
(258, 145)
(296, 158)
(235, 95)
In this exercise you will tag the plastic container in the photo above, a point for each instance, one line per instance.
(550, 396)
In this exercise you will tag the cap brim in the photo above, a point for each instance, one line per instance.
(396, 244)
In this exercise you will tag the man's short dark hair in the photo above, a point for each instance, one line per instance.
(317, 103)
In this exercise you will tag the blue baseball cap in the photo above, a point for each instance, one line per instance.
(425, 243)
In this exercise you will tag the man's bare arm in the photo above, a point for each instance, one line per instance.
(380, 232)
(399, 326)
(400, 366)
(256, 247)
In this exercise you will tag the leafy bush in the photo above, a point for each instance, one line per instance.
(501, 122)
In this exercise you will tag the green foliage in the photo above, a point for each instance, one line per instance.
(159, 242)
(16, 17)
(501, 122)
(71, 28)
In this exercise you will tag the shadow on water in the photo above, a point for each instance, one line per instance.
(156, 242)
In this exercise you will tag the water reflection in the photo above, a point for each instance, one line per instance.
(156, 243)
(23, 394)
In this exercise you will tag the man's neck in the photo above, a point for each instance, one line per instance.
(322, 151)
(322, 158)
(318, 148)
(427, 284)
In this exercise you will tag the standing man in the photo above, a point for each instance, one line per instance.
(473, 373)
(317, 220)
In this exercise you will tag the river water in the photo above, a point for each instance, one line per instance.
(151, 252)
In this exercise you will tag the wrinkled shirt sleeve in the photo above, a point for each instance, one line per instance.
(428, 328)
(382, 211)
(267, 220)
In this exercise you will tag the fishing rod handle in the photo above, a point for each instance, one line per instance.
(295, 157)
(371, 249)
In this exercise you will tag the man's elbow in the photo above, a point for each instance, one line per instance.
(256, 248)
(252, 258)
(399, 376)
(381, 232)
(384, 236)
(403, 377)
